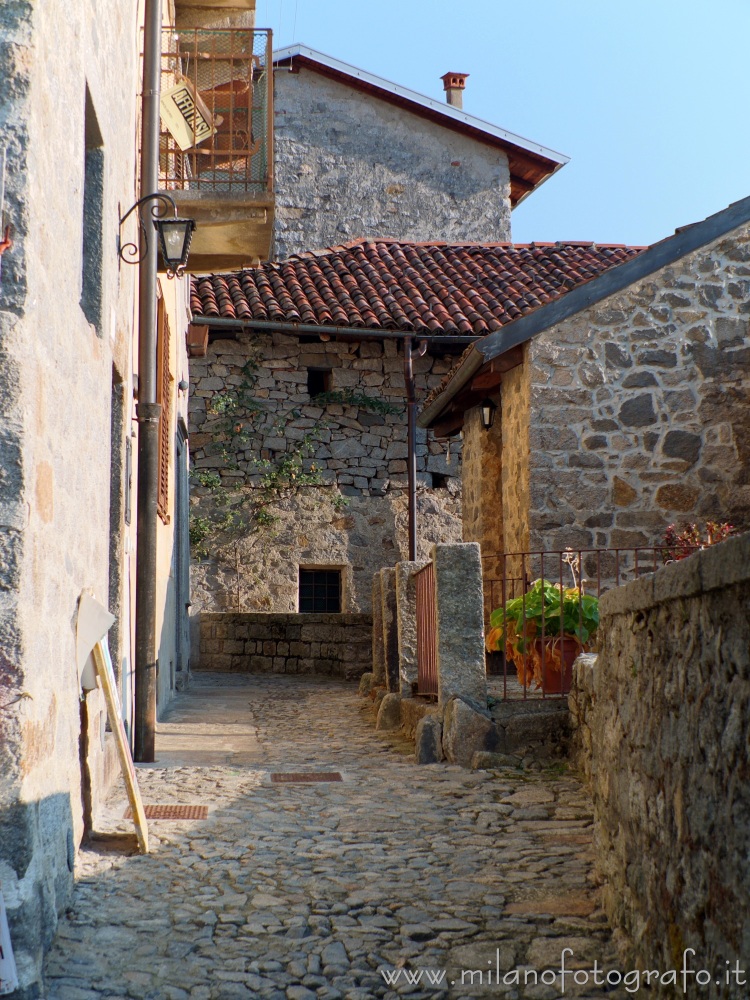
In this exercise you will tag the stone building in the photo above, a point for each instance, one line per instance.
(358, 156)
(69, 440)
(354, 155)
(622, 406)
(327, 330)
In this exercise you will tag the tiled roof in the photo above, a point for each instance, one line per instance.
(465, 289)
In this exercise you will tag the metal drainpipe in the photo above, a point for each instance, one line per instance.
(148, 409)
(411, 438)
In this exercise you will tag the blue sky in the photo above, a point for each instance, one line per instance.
(649, 98)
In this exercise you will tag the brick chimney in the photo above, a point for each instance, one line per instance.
(454, 84)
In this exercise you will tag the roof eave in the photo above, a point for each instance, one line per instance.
(548, 161)
(661, 254)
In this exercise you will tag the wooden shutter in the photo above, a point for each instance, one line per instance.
(163, 396)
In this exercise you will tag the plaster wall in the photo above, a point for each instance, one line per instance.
(173, 648)
(56, 375)
(349, 165)
(359, 452)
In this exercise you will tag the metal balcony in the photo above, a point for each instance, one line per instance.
(216, 142)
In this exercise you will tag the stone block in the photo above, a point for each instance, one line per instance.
(378, 647)
(429, 740)
(459, 609)
(389, 713)
(682, 444)
(365, 684)
(638, 411)
(726, 564)
(678, 579)
(390, 629)
(486, 760)
(465, 731)
(406, 610)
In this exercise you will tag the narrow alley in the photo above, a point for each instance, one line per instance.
(395, 880)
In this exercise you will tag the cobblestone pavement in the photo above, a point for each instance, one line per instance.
(302, 891)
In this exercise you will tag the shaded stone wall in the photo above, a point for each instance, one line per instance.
(359, 452)
(57, 409)
(349, 165)
(336, 645)
(663, 728)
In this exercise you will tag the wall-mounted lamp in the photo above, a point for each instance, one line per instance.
(174, 235)
(487, 409)
(182, 385)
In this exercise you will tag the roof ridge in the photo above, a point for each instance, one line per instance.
(458, 244)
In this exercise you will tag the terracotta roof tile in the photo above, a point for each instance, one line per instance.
(467, 289)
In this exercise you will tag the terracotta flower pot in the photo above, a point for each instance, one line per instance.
(555, 681)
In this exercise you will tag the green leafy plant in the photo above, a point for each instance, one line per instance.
(351, 397)
(559, 613)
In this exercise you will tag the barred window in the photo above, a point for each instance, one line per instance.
(319, 591)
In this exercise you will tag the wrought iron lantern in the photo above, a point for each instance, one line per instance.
(175, 235)
(487, 409)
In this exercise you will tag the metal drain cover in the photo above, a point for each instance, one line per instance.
(171, 812)
(309, 776)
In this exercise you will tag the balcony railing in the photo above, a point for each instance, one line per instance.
(217, 112)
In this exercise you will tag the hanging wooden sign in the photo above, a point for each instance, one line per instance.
(106, 674)
(184, 112)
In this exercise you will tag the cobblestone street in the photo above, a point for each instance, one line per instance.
(296, 891)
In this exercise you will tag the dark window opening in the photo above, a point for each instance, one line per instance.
(439, 481)
(319, 591)
(318, 381)
(93, 216)
(306, 338)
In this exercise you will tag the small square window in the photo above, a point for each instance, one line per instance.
(318, 381)
(319, 591)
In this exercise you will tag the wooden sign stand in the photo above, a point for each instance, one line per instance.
(106, 675)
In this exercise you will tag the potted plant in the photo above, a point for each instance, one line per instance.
(543, 632)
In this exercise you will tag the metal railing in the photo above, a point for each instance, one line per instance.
(217, 111)
(427, 680)
(536, 653)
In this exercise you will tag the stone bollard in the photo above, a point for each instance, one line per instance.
(390, 631)
(459, 607)
(378, 651)
(406, 612)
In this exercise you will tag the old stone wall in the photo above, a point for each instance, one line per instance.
(349, 165)
(641, 407)
(663, 723)
(335, 645)
(627, 417)
(358, 450)
(65, 323)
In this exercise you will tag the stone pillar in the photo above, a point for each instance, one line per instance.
(390, 630)
(378, 651)
(460, 624)
(406, 613)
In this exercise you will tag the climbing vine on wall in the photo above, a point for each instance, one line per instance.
(351, 397)
(245, 498)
